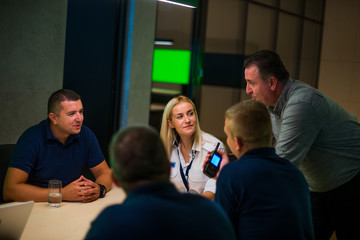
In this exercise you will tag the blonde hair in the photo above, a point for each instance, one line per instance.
(250, 121)
(169, 135)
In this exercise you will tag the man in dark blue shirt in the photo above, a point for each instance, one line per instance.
(265, 196)
(154, 209)
(58, 148)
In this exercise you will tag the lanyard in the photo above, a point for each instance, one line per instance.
(185, 176)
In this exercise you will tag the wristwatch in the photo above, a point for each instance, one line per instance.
(102, 190)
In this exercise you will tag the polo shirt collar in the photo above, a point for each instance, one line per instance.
(265, 151)
(283, 98)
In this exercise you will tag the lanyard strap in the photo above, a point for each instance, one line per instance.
(185, 176)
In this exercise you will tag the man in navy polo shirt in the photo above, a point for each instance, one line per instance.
(58, 148)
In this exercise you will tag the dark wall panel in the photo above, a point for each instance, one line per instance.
(224, 70)
(94, 39)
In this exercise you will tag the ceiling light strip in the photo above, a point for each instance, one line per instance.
(176, 3)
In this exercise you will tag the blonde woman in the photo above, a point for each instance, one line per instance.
(187, 146)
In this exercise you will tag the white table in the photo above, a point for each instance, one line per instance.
(70, 221)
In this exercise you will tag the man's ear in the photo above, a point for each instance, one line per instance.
(273, 83)
(238, 144)
(52, 118)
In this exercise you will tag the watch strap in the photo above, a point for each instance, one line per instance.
(102, 190)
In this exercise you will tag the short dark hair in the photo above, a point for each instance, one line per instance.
(269, 64)
(138, 154)
(59, 96)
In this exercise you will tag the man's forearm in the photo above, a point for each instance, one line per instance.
(25, 192)
(105, 179)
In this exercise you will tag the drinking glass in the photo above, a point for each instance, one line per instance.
(54, 193)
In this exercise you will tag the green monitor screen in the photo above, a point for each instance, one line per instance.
(171, 66)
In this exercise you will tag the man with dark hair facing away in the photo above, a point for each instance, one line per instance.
(154, 209)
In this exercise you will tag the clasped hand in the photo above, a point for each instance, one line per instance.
(81, 189)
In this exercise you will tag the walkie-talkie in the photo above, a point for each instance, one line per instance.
(213, 165)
